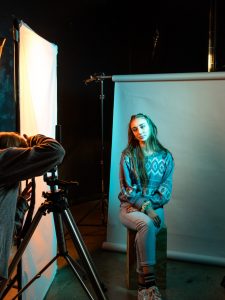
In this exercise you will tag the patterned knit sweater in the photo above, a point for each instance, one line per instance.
(159, 167)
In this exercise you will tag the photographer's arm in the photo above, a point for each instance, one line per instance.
(42, 154)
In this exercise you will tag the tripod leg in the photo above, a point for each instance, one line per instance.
(63, 251)
(22, 247)
(11, 284)
(38, 275)
(19, 278)
(104, 209)
(83, 252)
(61, 243)
(71, 263)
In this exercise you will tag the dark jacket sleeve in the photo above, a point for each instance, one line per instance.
(43, 154)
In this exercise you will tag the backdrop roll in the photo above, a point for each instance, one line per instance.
(188, 110)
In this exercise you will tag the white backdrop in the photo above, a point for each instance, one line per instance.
(38, 114)
(189, 111)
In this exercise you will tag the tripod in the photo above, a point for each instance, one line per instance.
(56, 203)
(103, 199)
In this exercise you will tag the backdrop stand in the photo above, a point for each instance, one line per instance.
(103, 201)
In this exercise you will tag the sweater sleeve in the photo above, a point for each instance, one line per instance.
(162, 195)
(43, 154)
(129, 190)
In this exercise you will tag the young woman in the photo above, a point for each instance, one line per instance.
(20, 158)
(146, 170)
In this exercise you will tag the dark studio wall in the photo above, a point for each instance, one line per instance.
(7, 101)
(114, 37)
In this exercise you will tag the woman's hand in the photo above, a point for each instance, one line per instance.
(131, 209)
(155, 218)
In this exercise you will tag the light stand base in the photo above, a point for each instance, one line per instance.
(102, 206)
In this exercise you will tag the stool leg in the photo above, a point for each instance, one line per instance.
(161, 258)
(131, 275)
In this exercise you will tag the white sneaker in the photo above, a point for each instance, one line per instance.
(151, 293)
(143, 294)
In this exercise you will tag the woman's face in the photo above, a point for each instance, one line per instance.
(140, 129)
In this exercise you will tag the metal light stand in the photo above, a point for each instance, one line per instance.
(56, 202)
(103, 201)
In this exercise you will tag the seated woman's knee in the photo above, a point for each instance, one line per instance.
(146, 224)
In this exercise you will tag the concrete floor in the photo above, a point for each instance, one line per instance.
(185, 280)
